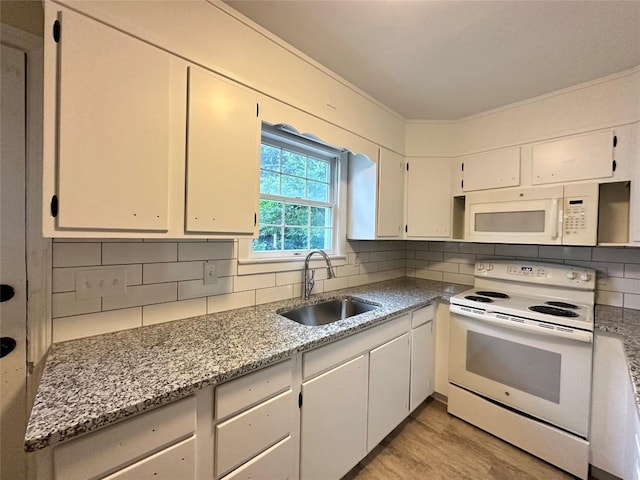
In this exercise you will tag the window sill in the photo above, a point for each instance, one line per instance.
(249, 266)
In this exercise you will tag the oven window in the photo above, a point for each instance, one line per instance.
(520, 221)
(529, 369)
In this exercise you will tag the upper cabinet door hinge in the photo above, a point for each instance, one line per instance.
(615, 141)
(255, 219)
(300, 400)
(462, 166)
(56, 31)
(614, 165)
(406, 228)
(257, 109)
(407, 166)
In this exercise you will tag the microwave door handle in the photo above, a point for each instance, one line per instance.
(554, 217)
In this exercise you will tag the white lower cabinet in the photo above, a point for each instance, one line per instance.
(355, 391)
(389, 367)
(254, 425)
(312, 416)
(422, 356)
(334, 421)
(157, 444)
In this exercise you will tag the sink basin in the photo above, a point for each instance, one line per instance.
(328, 312)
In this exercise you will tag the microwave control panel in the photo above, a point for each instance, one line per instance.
(580, 215)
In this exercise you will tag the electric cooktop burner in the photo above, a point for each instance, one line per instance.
(556, 312)
(561, 304)
(493, 294)
(476, 298)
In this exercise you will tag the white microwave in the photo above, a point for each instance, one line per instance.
(559, 215)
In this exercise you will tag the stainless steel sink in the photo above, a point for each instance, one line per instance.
(328, 312)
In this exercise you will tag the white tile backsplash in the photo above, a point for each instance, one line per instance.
(66, 304)
(139, 295)
(172, 272)
(123, 253)
(76, 254)
(166, 312)
(68, 328)
(196, 288)
(229, 301)
(165, 277)
(206, 250)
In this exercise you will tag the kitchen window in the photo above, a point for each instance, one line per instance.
(298, 194)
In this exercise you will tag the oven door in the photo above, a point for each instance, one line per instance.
(539, 373)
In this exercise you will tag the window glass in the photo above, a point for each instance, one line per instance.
(297, 205)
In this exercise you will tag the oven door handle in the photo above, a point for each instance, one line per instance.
(538, 328)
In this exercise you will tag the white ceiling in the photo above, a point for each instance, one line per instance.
(446, 60)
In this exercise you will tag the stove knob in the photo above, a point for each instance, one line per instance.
(571, 275)
(585, 277)
(489, 267)
(480, 266)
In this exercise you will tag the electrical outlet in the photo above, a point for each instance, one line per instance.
(103, 282)
(210, 273)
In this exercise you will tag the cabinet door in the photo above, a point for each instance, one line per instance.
(391, 170)
(114, 108)
(429, 198)
(581, 157)
(334, 421)
(389, 367)
(223, 160)
(422, 364)
(495, 169)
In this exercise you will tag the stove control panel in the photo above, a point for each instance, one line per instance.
(536, 272)
(527, 270)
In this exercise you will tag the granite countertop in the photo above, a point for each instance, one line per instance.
(626, 323)
(93, 382)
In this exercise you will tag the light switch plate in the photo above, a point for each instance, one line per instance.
(101, 282)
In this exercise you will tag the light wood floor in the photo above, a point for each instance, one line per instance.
(433, 445)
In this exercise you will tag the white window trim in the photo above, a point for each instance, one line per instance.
(249, 264)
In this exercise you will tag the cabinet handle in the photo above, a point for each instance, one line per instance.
(56, 31)
(54, 206)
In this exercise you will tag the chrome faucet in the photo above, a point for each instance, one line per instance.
(309, 280)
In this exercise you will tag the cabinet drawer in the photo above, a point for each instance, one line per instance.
(247, 434)
(177, 461)
(249, 389)
(120, 444)
(323, 358)
(275, 462)
(422, 316)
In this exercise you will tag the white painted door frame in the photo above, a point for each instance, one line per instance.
(37, 249)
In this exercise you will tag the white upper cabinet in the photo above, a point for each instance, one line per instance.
(110, 146)
(494, 169)
(581, 157)
(428, 198)
(376, 196)
(390, 194)
(223, 159)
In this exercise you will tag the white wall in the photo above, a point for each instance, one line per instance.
(602, 103)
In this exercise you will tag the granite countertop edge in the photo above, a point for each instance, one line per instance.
(93, 382)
